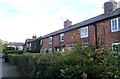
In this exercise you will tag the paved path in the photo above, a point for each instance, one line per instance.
(0, 68)
(8, 70)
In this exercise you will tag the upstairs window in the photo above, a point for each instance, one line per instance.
(50, 40)
(119, 24)
(84, 32)
(116, 47)
(61, 37)
(30, 44)
(115, 24)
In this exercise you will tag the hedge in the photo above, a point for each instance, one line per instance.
(97, 65)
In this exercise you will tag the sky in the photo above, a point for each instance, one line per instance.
(20, 19)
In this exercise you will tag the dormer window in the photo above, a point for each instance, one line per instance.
(50, 40)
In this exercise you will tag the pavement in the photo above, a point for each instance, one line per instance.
(8, 71)
(0, 68)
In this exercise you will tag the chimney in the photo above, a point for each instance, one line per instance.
(110, 6)
(67, 23)
(34, 37)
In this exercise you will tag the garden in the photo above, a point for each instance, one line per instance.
(79, 63)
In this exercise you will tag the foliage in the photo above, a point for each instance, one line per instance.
(14, 52)
(4, 47)
(95, 63)
(10, 48)
(1, 44)
(47, 51)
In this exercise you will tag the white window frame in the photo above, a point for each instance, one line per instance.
(50, 40)
(119, 23)
(62, 37)
(50, 50)
(70, 46)
(63, 50)
(82, 34)
(30, 44)
(58, 49)
(115, 48)
(85, 45)
(115, 25)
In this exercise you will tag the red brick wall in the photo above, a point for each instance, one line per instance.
(46, 44)
(72, 36)
(91, 34)
(105, 36)
(56, 40)
(103, 33)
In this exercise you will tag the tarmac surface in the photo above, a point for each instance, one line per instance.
(8, 71)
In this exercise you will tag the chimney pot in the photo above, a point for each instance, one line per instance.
(34, 37)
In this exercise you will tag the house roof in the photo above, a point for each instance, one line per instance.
(16, 44)
(86, 22)
(31, 40)
(28, 40)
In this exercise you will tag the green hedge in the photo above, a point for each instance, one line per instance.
(14, 52)
(97, 64)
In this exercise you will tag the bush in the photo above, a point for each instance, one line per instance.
(96, 63)
(10, 48)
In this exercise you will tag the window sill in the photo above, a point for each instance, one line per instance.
(84, 36)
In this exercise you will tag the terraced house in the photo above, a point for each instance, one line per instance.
(102, 30)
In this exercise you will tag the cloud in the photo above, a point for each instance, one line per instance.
(30, 19)
(20, 19)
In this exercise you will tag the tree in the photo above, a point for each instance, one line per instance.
(1, 44)
(4, 47)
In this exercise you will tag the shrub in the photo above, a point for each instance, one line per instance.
(96, 63)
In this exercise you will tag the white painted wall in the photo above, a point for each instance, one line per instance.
(20, 47)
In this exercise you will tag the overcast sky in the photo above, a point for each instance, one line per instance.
(20, 19)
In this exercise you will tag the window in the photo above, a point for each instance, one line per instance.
(50, 40)
(119, 23)
(116, 47)
(63, 49)
(61, 37)
(50, 50)
(41, 42)
(115, 24)
(84, 32)
(85, 45)
(70, 46)
(58, 50)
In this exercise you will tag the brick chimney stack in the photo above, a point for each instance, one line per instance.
(34, 36)
(110, 6)
(67, 23)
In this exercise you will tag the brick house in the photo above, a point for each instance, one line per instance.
(100, 31)
(28, 43)
(33, 45)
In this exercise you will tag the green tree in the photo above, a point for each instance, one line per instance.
(4, 47)
(1, 44)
